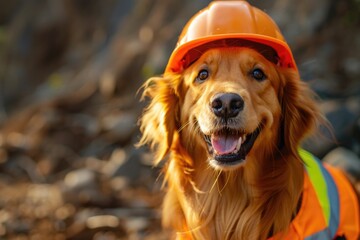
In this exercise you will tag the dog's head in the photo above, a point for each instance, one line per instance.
(232, 105)
(231, 91)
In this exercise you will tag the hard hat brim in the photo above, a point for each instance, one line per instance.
(176, 61)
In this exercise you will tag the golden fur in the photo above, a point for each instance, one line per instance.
(251, 200)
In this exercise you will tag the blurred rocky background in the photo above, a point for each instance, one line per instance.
(69, 75)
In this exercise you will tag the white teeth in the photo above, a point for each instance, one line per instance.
(240, 141)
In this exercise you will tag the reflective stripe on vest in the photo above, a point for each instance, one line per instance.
(327, 194)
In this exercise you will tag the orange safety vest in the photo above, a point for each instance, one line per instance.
(329, 207)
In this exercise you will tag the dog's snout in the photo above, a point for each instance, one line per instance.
(227, 105)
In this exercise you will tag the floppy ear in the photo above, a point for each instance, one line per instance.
(159, 121)
(300, 115)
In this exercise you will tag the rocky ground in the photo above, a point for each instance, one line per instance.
(71, 175)
(69, 73)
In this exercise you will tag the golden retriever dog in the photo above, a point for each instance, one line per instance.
(228, 128)
(230, 101)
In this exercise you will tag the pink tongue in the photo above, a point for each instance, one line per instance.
(224, 144)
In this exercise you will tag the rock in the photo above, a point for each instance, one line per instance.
(117, 159)
(81, 186)
(65, 212)
(82, 215)
(80, 179)
(123, 164)
(128, 165)
(89, 223)
(137, 212)
(45, 195)
(85, 187)
(46, 166)
(344, 159)
(101, 221)
(136, 224)
(342, 116)
(119, 126)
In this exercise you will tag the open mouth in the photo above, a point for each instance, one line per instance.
(230, 147)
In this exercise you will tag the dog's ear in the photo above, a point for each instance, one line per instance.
(159, 121)
(300, 115)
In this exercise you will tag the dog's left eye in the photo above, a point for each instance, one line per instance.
(258, 74)
(202, 76)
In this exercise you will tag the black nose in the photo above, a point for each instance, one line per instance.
(227, 105)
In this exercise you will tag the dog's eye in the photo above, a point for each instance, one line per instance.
(258, 74)
(202, 76)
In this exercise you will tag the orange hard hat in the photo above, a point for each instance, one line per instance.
(228, 23)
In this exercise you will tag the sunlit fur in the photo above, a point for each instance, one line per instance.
(250, 201)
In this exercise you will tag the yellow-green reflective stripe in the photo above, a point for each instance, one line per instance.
(318, 181)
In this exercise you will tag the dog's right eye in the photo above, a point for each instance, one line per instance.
(202, 76)
(258, 74)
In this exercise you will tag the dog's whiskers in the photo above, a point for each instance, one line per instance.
(184, 126)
